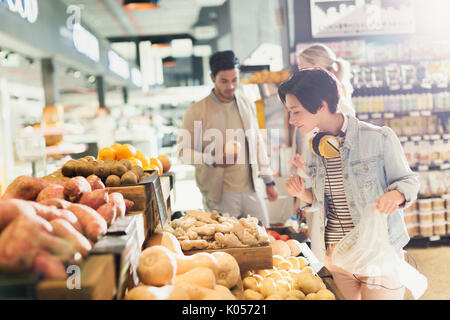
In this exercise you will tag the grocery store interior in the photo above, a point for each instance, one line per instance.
(78, 77)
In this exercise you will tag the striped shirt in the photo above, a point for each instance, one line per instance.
(339, 221)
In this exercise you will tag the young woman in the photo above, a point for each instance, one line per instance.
(353, 164)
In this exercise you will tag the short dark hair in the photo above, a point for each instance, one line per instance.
(223, 60)
(311, 86)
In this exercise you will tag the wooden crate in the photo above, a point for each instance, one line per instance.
(98, 282)
(250, 258)
(152, 197)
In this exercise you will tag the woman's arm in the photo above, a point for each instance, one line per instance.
(399, 175)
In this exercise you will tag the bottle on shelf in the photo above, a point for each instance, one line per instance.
(292, 222)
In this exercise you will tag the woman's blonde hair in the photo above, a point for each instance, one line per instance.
(320, 55)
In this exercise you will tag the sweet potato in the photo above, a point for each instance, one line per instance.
(52, 191)
(95, 199)
(65, 230)
(59, 203)
(25, 188)
(63, 249)
(49, 266)
(128, 205)
(109, 212)
(19, 242)
(71, 218)
(93, 224)
(118, 200)
(95, 182)
(75, 187)
(10, 209)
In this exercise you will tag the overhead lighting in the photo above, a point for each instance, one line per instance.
(135, 5)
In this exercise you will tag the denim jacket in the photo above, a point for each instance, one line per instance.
(373, 163)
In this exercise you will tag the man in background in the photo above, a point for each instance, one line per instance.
(227, 185)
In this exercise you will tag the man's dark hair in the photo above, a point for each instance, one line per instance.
(223, 60)
(311, 86)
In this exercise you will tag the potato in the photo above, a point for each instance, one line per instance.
(126, 163)
(129, 178)
(84, 169)
(306, 282)
(297, 294)
(311, 296)
(95, 182)
(52, 191)
(89, 158)
(69, 168)
(268, 287)
(118, 170)
(95, 199)
(274, 297)
(75, 187)
(108, 212)
(250, 283)
(117, 199)
(138, 171)
(250, 294)
(112, 181)
(325, 294)
(102, 171)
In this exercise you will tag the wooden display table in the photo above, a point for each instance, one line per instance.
(249, 258)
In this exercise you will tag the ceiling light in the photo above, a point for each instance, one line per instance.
(141, 4)
(91, 79)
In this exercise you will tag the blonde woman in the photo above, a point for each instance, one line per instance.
(319, 55)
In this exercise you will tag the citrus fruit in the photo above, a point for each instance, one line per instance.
(155, 167)
(155, 161)
(125, 151)
(143, 158)
(165, 161)
(135, 162)
(116, 146)
(107, 153)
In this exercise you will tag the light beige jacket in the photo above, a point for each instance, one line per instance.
(191, 149)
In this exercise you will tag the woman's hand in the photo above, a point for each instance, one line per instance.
(295, 186)
(298, 162)
(389, 202)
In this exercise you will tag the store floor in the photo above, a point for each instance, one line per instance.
(433, 263)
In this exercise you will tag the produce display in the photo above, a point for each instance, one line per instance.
(290, 279)
(118, 165)
(204, 230)
(166, 273)
(45, 225)
(266, 76)
(128, 152)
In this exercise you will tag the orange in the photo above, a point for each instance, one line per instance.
(125, 151)
(107, 153)
(155, 167)
(135, 162)
(165, 161)
(116, 146)
(155, 161)
(143, 158)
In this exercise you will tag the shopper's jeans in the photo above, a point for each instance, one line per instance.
(363, 288)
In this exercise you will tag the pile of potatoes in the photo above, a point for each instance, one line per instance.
(113, 173)
(290, 279)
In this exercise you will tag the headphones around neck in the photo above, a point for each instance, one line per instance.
(325, 144)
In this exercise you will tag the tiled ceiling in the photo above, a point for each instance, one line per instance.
(108, 19)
